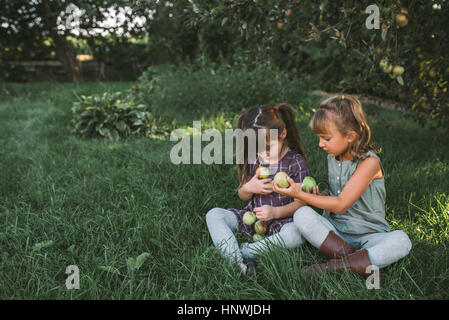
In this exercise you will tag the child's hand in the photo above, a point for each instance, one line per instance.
(324, 193)
(265, 212)
(293, 190)
(259, 186)
(316, 190)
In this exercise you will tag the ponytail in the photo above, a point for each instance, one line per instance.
(243, 170)
(293, 140)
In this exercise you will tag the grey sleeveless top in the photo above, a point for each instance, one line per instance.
(367, 214)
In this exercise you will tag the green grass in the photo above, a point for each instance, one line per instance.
(104, 201)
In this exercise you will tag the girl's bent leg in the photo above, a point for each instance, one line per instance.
(288, 237)
(312, 226)
(386, 248)
(221, 224)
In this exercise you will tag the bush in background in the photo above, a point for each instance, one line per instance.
(205, 88)
(114, 115)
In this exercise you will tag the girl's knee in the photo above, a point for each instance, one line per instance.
(289, 228)
(303, 215)
(394, 246)
(213, 214)
(220, 216)
(300, 213)
(291, 235)
(400, 237)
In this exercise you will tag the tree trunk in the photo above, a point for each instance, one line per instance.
(64, 49)
(67, 55)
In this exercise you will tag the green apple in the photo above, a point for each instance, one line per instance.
(281, 180)
(258, 237)
(308, 182)
(263, 172)
(401, 20)
(260, 227)
(249, 218)
(398, 70)
(388, 68)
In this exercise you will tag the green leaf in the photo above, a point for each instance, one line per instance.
(114, 135)
(71, 249)
(141, 259)
(400, 80)
(121, 126)
(224, 21)
(131, 263)
(104, 132)
(109, 269)
(384, 34)
(43, 244)
(140, 114)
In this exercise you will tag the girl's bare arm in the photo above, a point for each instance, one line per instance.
(367, 170)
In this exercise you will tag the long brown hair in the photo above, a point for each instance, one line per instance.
(263, 117)
(347, 114)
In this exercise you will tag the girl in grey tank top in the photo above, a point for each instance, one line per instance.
(352, 231)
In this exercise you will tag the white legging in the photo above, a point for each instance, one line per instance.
(384, 248)
(222, 223)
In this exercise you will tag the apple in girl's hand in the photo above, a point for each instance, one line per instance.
(263, 172)
(258, 237)
(281, 180)
(249, 218)
(260, 227)
(308, 182)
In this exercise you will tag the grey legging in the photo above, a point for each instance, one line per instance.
(222, 223)
(384, 248)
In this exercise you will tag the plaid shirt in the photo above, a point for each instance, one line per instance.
(296, 167)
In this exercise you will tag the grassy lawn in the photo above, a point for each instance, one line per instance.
(101, 202)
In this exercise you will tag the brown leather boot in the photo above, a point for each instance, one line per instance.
(335, 247)
(357, 262)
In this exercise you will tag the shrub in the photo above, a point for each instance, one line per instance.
(114, 115)
(205, 88)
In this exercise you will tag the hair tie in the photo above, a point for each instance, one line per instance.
(276, 107)
(342, 97)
